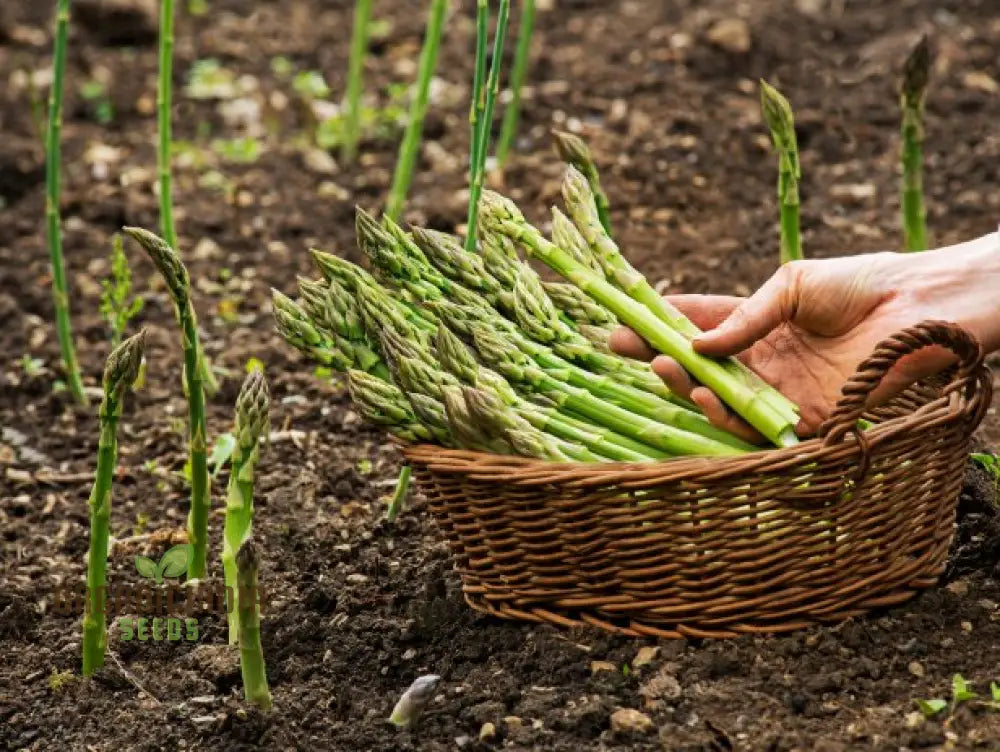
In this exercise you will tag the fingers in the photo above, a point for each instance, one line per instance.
(628, 344)
(673, 375)
(756, 317)
(705, 311)
(721, 417)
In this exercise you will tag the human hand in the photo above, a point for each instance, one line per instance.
(808, 327)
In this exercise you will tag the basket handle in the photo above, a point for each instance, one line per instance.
(869, 374)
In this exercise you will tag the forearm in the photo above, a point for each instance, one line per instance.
(959, 283)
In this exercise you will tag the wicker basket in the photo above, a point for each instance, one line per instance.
(766, 542)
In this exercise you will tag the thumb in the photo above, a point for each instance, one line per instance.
(756, 317)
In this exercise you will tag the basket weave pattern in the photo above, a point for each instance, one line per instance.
(766, 542)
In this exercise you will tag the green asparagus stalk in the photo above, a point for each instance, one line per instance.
(744, 396)
(168, 263)
(620, 273)
(399, 496)
(471, 432)
(575, 152)
(495, 352)
(418, 108)
(912, 92)
(296, 328)
(164, 98)
(579, 307)
(478, 104)
(53, 221)
(119, 373)
(382, 403)
(252, 665)
(252, 416)
(355, 74)
(566, 236)
(482, 143)
(456, 358)
(778, 116)
(512, 114)
(335, 313)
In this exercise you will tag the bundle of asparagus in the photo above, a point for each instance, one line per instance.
(473, 350)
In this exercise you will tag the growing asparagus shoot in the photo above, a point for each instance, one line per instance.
(916, 72)
(780, 122)
(252, 411)
(355, 74)
(485, 124)
(164, 99)
(252, 666)
(512, 113)
(410, 144)
(53, 219)
(120, 372)
(167, 261)
(575, 152)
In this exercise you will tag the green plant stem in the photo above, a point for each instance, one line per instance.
(512, 114)
(53, 156)
(355, 74)
(414, 127)
(741, 395)
(482, 144)
(478, 103)
(781, 123)
(252, 665)
(252, 407)
(119, 373)
(574, 151)
(399, 497)
(164, 99)
(912, 93)
(168, 263)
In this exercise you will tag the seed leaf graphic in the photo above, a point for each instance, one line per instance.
(176, 560)
(146, 566)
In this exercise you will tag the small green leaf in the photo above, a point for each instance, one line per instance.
(176, 560)
(931, 707)
(365, 466)
(146, 567)
(254, 364)
(995, 691)
(961, 690)
(222, 451)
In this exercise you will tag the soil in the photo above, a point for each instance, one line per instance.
(359, 608)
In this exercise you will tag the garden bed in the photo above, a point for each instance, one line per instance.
(358, 608)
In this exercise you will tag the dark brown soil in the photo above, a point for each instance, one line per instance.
(359, 608)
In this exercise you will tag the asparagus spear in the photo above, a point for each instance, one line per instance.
(382, 403)
(578, 306)
(576, 153)
(912, 92)
(512, 113)
(778, 116)
(418, 109)
(296, 328)
(515, 366)
(120, 372)
(355, 72)
(174, 273)
(53, 221)
(478, 104)
(743, 395)
(252, 665)
(482, 142)
(252, 415)
(566, 236)
(620, 273)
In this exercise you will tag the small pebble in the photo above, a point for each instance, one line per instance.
(630, 721)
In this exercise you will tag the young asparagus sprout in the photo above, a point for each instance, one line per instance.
(355, 73)
(481, 143)
(413, 701)
(916, 72)
(53, 220)
(252, 418)
(575, 152)
(778, 116)
(175, 275)
(410, 144)
(512, 114)
(120, 372)
(252, 665)
(566, 236)
(399, 496)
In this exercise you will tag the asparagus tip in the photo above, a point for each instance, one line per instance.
(571, 148)
(122, 366)
(916, 71)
